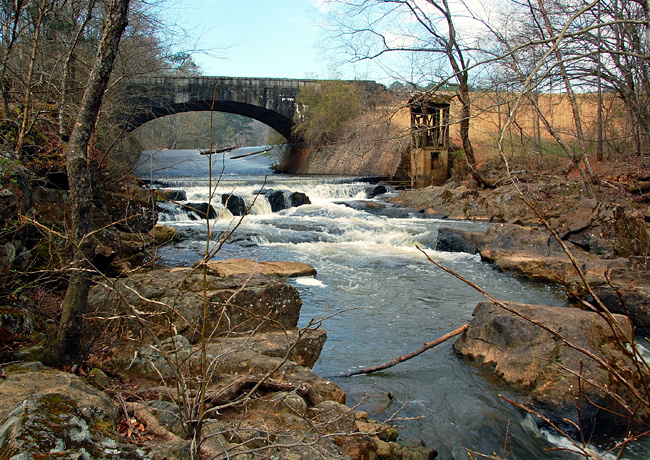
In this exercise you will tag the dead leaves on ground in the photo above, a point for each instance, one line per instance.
(133, 431)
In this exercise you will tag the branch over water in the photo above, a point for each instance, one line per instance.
(401, 359)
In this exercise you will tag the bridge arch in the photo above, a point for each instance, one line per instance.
(279, 122)
(270, 101)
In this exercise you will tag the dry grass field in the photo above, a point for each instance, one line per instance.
(527, 135)
(527, 132)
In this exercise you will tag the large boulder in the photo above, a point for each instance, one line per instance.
(604, 229)
(131, 209)
(622, 284)
(203, 210)
(302, 347)
(173, 299)
(298, 199)
(331, 418)
(276, 199)
(235, 204)
(376, 191)
(7, 257)
(31, 379)
(234, 361)
(51, 414)
(15, 324)
(175, 355)
(163, 234)
(169, 194)
(454, 240)
(285, 199)
(500, 204)
(51, 206)
(117, 252)
(545, 362)
(529, 252)
(47, 412)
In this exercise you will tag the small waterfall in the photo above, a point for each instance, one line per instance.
(258, 195)
(333, 191)
(259, 203)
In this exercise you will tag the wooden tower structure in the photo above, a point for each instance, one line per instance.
(429, 140)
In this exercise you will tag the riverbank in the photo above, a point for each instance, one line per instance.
(540, 221)
(549, 231)
(156, 385)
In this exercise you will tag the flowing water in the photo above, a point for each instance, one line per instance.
(381, 297)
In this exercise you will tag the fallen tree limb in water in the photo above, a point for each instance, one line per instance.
(401, 359)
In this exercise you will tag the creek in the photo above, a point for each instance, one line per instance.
(380, 296)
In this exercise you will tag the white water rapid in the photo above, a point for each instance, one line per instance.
(382, 297)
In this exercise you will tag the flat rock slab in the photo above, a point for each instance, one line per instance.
(543, 365)
(23, 382)
(229, 267)
(622, 283)
(235, 363)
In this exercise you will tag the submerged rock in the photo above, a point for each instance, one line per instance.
(542, 364)
(393, 211)
(376, 191)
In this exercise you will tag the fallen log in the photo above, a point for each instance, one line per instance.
(401, 359)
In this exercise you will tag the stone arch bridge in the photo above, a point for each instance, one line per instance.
(269, 100)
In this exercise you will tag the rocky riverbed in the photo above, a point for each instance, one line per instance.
(231, 325)
(577, 365)
(206, 359)
(165, 340)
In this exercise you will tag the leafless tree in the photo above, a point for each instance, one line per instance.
(427, 32)
(68, 340)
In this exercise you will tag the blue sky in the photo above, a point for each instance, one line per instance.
(261, 38)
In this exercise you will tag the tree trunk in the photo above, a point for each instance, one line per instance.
(4, 85)
(587, 174)
(67, 347)
(27, 101)
(64, 115)
(459, 65)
